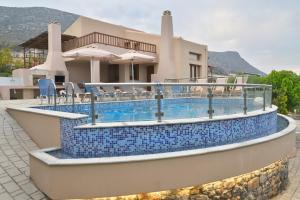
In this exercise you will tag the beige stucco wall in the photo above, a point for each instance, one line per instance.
(61, 181)
(182, 50)
(84, 25)
(44, 130)
(79, 71)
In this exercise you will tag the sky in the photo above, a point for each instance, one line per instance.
(265, 33)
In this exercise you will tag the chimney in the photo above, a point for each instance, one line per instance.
(166, 68)
(55, 62)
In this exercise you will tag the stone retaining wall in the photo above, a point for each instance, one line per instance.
(261, 184)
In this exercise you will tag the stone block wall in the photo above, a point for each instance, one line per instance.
(261, 184)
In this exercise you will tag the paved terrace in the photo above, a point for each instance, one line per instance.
(14, 161)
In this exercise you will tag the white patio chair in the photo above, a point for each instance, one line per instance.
(199, 90)
(238, 80)
(220, 89)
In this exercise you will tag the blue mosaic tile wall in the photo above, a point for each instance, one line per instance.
(124, 141)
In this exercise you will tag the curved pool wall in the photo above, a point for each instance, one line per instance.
(109, 176)
(81, 140)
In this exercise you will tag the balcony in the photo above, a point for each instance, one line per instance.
(102, 38)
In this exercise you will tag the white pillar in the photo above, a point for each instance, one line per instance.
(55, 63)
(95, 71)
(166, 67)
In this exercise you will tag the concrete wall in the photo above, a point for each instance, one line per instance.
(109, 177)
(44, 130)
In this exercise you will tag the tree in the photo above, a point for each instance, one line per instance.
(5, 57)
(286, 89)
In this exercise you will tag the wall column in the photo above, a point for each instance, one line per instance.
(95, 71)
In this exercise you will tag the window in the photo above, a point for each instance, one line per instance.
(195, 71)
(135, 71)
(195, 56)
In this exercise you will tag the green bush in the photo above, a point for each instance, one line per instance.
(286, 89)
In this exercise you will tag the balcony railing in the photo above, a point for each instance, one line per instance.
(102, 38)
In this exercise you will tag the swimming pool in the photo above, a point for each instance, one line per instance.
(173, 108)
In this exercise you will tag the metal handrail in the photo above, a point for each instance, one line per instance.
(178, 84)
(67, 85)
(54, 93)
(159, 94)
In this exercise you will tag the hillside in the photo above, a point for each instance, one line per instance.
(231, 62)
(20, 24)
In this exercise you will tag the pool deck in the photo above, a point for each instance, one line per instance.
(14, 160)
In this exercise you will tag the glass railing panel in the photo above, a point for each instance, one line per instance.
(171, 101)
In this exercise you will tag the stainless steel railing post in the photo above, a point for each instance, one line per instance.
(245, 100)
(49, 93)
(54, 90)
(210, 108)
(271, 93)
(93, 108)
(73, 98)
(159, 97)
(264, 98)
(54, 94)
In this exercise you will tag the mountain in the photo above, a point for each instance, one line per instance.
(230, 62)
(20, 24)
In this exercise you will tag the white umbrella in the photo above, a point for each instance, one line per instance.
(134, 57)
(92, 54)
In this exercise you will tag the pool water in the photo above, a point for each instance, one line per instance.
(144, 110)
(171, 110)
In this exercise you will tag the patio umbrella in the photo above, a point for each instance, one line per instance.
(92, 54)
(134, 57)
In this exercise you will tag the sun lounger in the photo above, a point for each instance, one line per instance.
(199, 90)
(238, 80)
(95, 90)
(126, 91)
(110, 91)
(80, 93)
(142, 92)
(220, 89)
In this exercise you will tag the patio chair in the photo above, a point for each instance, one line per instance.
(177, 90)
(199, 90)
(67, 92)
(220, 89)
(97, 92)
(109, 91)
(142, 91)
(80, 92)
(238, 80)
(47, 89)
(127, 91)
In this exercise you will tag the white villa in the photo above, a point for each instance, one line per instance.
(175, 58)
